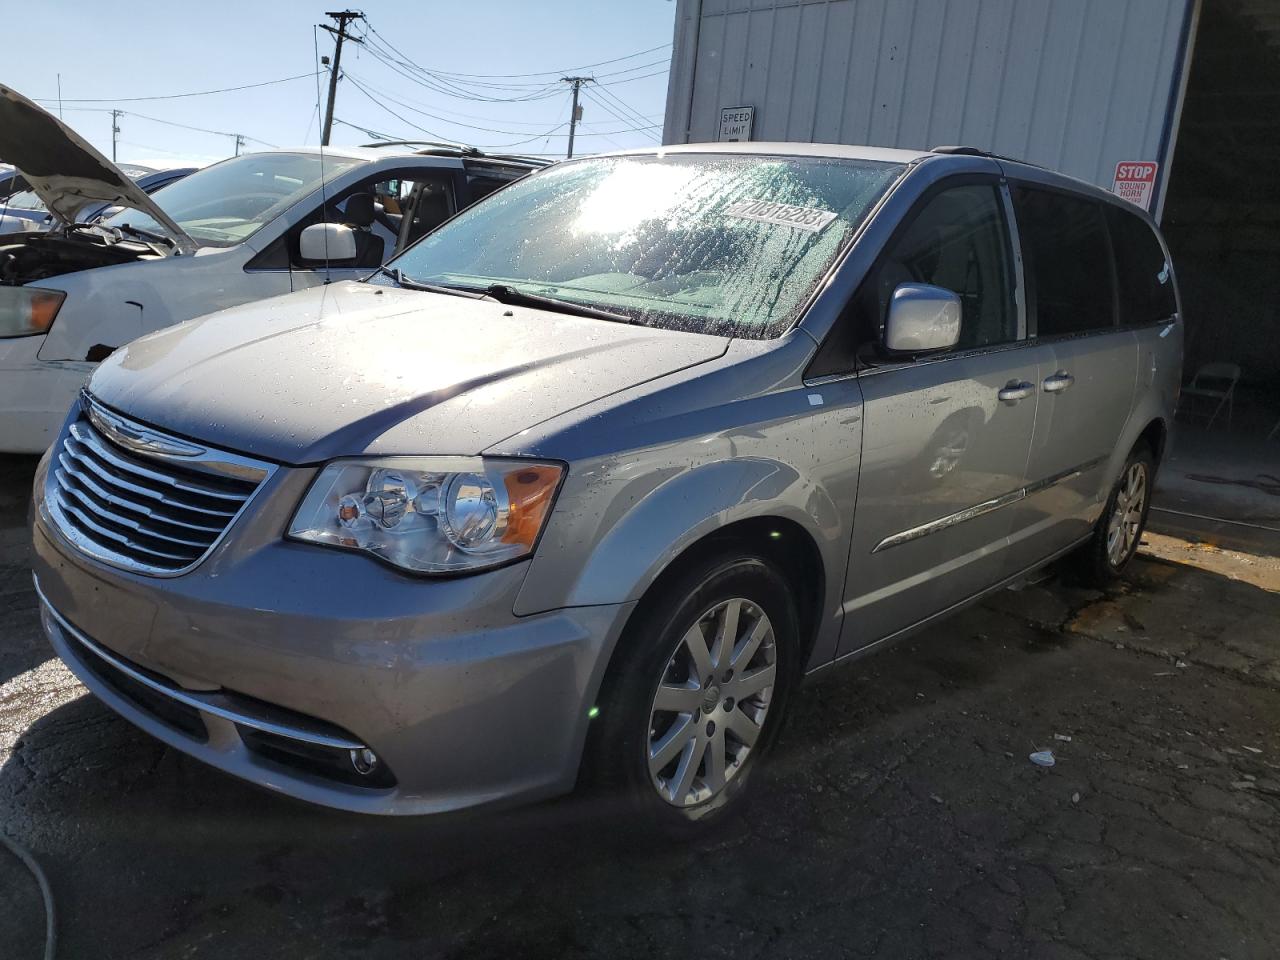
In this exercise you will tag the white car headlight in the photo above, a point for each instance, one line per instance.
(25, 311)
(430, 514)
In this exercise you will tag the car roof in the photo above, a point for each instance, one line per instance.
(405, 151)
(765, 148)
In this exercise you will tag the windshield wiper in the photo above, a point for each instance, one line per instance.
(144, 234)
(410, 284)
(518, 298)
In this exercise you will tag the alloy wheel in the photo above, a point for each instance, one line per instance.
(1126, 515)
(710, 704)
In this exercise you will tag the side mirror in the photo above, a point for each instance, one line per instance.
(327, 241)
(922, 318)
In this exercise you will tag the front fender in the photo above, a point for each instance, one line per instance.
(645, 522)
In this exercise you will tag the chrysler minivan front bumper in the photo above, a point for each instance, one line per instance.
(329, 677)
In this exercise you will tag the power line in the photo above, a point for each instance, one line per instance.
(425, 78)
(626, 108)
(431, 133)
(186, 126)
(604, 104)
(376, 102)
(116, 114)
(540, 73)
(170, 96)
(643, 76)
(642, 66)
(369, 89)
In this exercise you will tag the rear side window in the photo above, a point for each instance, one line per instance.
(1146, 279)
(1067, 261)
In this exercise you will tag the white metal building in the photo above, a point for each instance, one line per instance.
(1174, 103)
(1075, 85)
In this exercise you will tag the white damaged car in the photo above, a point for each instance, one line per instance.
(254, 226)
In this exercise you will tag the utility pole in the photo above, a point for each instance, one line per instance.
(115, 131)
(239, 143)
(576, 114)
(342, 18)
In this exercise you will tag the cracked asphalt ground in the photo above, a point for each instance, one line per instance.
(901, 818)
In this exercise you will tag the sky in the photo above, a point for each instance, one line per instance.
(405, 81)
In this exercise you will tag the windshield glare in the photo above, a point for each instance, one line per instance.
(721, 244)
(229, 202)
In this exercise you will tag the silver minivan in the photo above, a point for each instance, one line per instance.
(580, 487)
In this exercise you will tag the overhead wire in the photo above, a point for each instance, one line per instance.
(170, 96)
(586, 91)
(171, 123)
(369, 90)
(628, 110)
(539, 73)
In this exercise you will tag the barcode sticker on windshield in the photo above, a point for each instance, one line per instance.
(809, 219)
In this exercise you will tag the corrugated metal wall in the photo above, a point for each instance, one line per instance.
(1077, 85)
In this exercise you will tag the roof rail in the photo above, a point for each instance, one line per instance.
(963, 151)
(444, 145)
(445, 148)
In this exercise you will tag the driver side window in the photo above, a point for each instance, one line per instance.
(959, 241)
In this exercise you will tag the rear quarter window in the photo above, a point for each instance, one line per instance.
(1144, 273)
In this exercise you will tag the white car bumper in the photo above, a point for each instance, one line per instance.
(35, 395)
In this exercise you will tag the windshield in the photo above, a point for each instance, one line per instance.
(720, 244)
(229, 202)
(26, 200)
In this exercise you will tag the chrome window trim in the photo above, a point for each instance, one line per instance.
(202, 703)
(987, 506)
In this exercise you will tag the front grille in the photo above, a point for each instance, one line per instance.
(142, 511)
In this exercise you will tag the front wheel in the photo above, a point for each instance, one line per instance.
(1119, 530)
(694, 697)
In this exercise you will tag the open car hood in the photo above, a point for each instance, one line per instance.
(65, 170)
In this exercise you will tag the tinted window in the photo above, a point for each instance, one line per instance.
(1146, 279)
(1067, 262)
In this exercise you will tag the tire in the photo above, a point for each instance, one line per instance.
(1119, 530)
(664, 764)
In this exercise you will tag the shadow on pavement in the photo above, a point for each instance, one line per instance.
(901, 818)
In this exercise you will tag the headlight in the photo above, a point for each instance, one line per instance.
(430, 514)
(25, 311)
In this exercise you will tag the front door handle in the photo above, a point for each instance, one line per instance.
(1016, 390)
(1058, 382)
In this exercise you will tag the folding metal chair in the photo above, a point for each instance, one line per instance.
(1216, 381)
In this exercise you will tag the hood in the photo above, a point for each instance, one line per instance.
(64, 169)
(356, 368)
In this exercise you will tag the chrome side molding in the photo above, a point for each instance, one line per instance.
(987, 506)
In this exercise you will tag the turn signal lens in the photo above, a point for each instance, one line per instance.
(28, 311)
(431, 514)
(530, 491)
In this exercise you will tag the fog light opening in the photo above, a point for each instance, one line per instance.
(364, 761)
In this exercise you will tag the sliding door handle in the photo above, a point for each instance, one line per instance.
(1058, 382)
(1016, 390)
